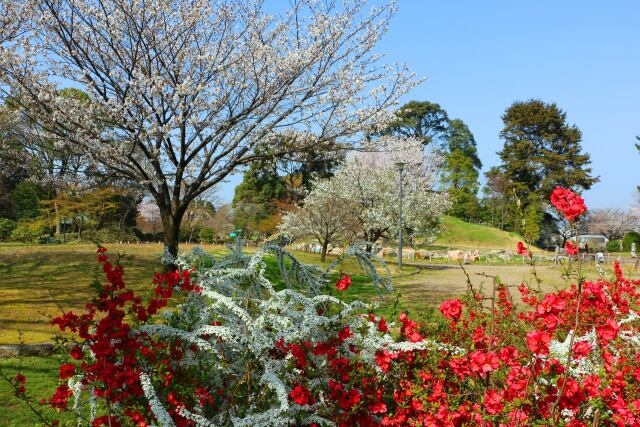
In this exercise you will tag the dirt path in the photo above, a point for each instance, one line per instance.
(435, 283)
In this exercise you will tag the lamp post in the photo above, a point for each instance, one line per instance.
(400, 166)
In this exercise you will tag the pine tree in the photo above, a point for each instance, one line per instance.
(461, 170)
(542, 151)
(423, 120)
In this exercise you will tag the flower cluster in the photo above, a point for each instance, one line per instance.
(568, 203)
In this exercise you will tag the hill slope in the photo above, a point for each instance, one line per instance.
(458, 233)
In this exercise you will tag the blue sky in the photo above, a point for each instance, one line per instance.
(480, 56)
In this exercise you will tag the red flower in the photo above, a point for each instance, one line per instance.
(608, 331)
(571, 248)
(522, 250)
(349, 399)
(378, 408)
(382, 325)
(76, 353)
(343, 283)
(67, 371)
(538, 342)
(482, 363)
(59, 399)
(300, 395)
(581, 349)
(107, 420)
(344, 333)
(20, 382)
(569, 203)
(493, 402)
(451, 309)
(383, 360)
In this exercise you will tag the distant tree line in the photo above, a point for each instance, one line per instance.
(541, 150)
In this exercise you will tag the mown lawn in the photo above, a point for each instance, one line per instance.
(459, 233)
(40, 281)
(41, 373)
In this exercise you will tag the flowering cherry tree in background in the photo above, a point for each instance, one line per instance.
(325, 217)
(13, 20)
(612, 223)
(183, 92)
(367, 189)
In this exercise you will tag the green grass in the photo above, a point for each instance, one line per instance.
(458, 233)
(41, 281)
(41, 373)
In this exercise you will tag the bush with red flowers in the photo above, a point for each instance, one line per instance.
(239, 350)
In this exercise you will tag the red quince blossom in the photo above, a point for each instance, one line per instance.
(383, 360)
(493, 402)
(67, 371)
(20, 381)
(522, 250)
(348, 400)
(343, 283)
(581, 349)
(608, 331)
(451, 309)
(482, 363)
(538, 342)
(60, 398)
(569, 203)
(382, 325)
(300, 395)
(410, 328)
(76, 353)
(571, 248)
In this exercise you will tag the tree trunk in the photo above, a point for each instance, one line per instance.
(171, 224)
(323, 254)
(57, 218)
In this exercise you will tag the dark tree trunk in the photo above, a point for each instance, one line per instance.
(171, 224)
(323, 254)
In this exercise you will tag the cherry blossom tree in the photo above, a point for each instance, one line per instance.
(13, 19)
(612, 223)
(325, 216)
(181, 93)
(366, 189)
(370, 179)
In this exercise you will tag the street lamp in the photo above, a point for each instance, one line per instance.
(400, 166)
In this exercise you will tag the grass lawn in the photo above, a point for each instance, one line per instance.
(41, 373)
(458, 233)
(39, 281)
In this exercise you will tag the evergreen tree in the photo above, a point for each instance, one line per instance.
(542, 151)
(424, 120)
(532, 218)
(461, 170)
(255, 197)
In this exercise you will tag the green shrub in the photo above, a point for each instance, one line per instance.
(207, 235)
(629, 238)
(109, 235)
(6, 228)
(614, 245)
(27, 230)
